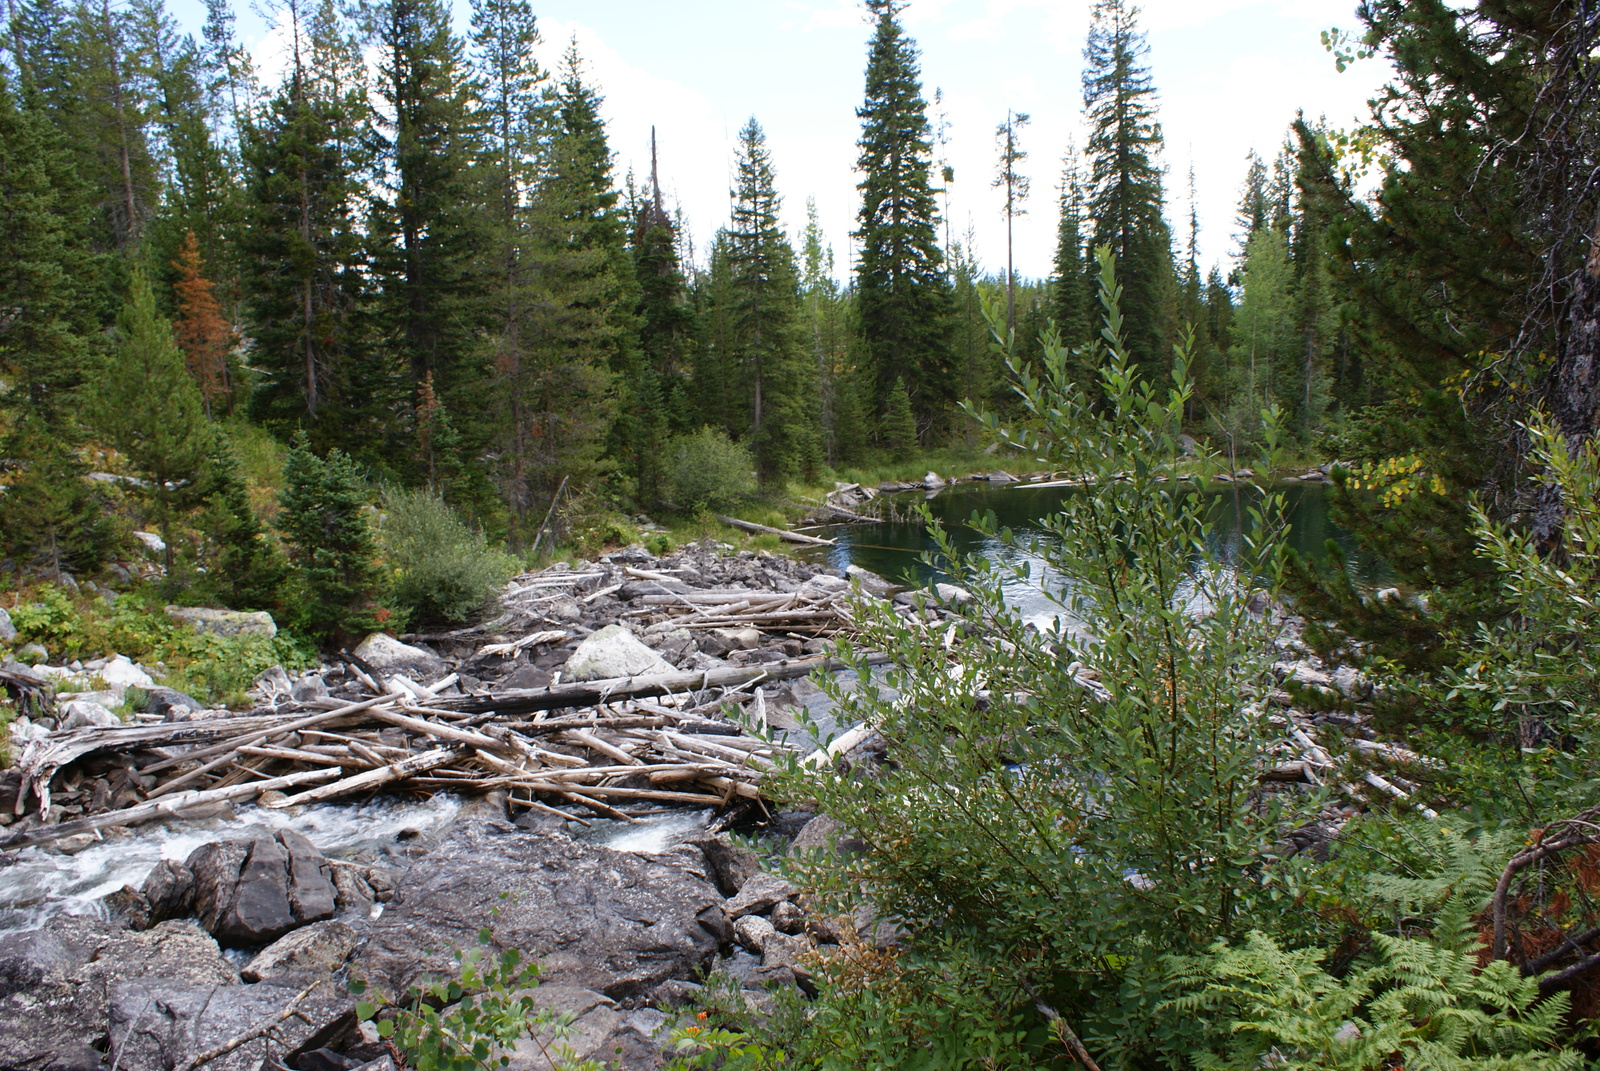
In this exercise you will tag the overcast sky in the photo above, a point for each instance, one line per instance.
(1230, 73)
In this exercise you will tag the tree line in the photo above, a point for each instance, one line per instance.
(415, 249)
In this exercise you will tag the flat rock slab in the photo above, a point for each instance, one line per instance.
(158, 1024)
(55, 985)
(249, 892)
(612, 922)
(225, 622)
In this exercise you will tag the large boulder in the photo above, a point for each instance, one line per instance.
(250, 892)
(84, 714)
(120, 674)
(163, 1023)
(389, 656)
(613, 652)
(55, 985)
(616, 923)
(305, 954)
(225, 622)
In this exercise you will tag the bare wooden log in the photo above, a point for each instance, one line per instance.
(590, 693)
(428, 760)
(165, 807)
(594, 743)
(781, 533)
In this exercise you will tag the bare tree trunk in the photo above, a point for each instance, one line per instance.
(1575, 394)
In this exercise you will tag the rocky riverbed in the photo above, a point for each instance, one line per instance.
(157, 947)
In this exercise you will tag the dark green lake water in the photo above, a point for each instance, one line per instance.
(894, 549)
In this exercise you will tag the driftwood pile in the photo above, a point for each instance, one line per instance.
(605, 747)
(641, 740)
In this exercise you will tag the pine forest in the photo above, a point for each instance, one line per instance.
(1227, 696)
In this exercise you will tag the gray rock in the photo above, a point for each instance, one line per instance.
(1351, 683)
(170, 703)
(272, 683)
(825, 834)
(951, 594)
(388, 656)
(730, 864)
(120, 674)
(933, 481)
(318, 949)
(309, 687)
(163, 1023)
(789, 917)
(752, 932)
(613, 652)
(8, 631)
(168, 890)
(760, 894)
(32, 653)
(55, 985)
(225, 622)
(82, 714)
(870, 582)
(249, 892)
(617, 923)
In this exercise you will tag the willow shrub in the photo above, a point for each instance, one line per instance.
(1078, 802)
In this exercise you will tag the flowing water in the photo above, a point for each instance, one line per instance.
(895, 548)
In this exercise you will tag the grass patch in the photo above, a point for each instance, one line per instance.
(217, 670)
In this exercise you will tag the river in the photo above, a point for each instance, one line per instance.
(895, 548)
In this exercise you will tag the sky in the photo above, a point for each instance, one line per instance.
(1230, 75)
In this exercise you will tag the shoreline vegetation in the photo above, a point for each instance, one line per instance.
(365, 381)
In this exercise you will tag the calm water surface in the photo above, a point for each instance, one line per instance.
(895, 549)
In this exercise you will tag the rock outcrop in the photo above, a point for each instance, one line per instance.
(250, 892)
(616, 923)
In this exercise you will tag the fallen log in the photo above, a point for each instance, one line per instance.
(422, 763)
(781, 533)
(590, 693)
(167, 806)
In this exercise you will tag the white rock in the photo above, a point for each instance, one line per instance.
(1351, 683)
(933, 481)
(8, 631)
(951, 594)
(153, 542)
(388, 656)
(121, 674)
(613, 652)
(80, 714)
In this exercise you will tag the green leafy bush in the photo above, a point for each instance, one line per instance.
(472, 1021)
(1081, 802)
(213, 669)
(443, 568)
(707, 470)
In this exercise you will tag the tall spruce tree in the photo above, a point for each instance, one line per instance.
(780, 381)
(1070, 274)
(826, 333)
(423, 226)
(903, 297)
(305, 276)
(666, 321)
(1126, 200)
(1009, 177)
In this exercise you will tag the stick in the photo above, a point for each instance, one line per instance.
(428, 760)
(171, 805)
(781, 533)
(253, 1033)
(539, 535)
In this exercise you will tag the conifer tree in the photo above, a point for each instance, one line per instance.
(323, 516)
(424, 233)
(827, 335)
(764, 291)
(110, 124)
(245, 566)
(305, 276)
(902, 292)
(1125, 189)
(666, 322)
(1069, 279)
(204, 336)
(1016, 186)
(150, 409)
(899, 424)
